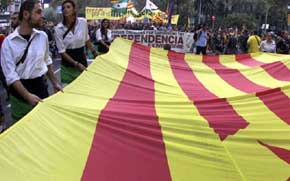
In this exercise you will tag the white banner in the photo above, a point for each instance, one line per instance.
(179, 41)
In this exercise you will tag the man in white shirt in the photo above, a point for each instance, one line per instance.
(201, 40)
(25, 61)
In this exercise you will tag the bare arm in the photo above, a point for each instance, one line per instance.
(70, 60)
(105, 44)
(30, 98)
(99, 39)
(90, 46)
(53, 79)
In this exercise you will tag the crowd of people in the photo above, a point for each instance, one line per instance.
(27, 48)
(233, 41)
(214, 42)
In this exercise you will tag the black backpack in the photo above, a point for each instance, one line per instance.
(244, 42)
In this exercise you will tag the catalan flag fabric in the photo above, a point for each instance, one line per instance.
(130, 5)
(131, 10)
(140, 113)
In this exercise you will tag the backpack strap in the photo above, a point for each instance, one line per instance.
(257, 40)
(199, 35)
(22, 59)
(70, 28)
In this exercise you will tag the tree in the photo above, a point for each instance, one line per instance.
(240, 20)
(258, 11)
(4, 4)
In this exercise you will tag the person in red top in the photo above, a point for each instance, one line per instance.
(3, 93)
(2, 37)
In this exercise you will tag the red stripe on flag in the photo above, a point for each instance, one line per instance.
(247, 60)
(274, 99)
(232, 76)
(277, 69)
(128, 143)
(282, 153)
(277, 102)
(218, 112)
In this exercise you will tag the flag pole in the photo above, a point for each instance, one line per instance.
(170, 12)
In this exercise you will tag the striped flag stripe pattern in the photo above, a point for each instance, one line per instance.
(141, 113)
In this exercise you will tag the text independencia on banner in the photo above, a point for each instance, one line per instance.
(179, 41)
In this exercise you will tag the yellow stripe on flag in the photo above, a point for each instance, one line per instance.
(221, 118)
(280, 65)
(210, 79)
(53, 141)
(194, 151)
(256, 75)
(264, 126)
(261, 121)
(271, 57)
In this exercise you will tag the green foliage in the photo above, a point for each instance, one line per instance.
(240, 20)
(4, 4)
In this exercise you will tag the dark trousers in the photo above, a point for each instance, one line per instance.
(37, 86)
(200, 50)
(102, 48)
(78, 55)
(19, 106)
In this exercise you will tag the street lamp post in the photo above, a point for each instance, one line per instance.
(268, 6)
(266, 18)
(199, 11)
(288, 16)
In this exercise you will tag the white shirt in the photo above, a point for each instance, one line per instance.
(73, 40)
(100, 37)
(268, 47)
(37, 59)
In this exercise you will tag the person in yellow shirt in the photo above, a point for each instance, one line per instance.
(254, 42)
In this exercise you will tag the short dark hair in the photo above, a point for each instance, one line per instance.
(27, 5)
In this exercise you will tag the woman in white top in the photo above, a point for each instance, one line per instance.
(268, 45)
(71, 38)
(104, 36)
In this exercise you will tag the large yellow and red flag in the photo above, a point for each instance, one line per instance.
(140, 113)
